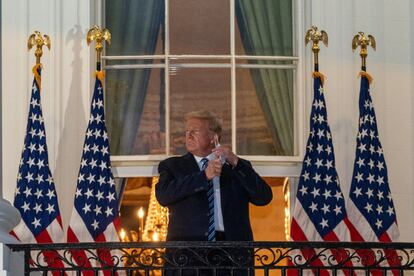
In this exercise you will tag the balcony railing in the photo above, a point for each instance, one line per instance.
(223, 258)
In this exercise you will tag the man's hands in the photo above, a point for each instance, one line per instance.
(227, 154)
(213, 168)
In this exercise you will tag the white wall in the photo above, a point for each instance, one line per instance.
(392, 69)
(66, 87)
(68, 69)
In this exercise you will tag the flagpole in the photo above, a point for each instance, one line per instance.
(36, 39)
(318, 182)
(38, 224)
(370, 173)
(95, 186)
(315, 35)
(363, 41)
(100, 36)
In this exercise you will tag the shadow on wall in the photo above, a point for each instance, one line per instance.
(74, 126)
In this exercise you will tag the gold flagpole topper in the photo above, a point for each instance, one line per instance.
(100, 36)
(363, 41)
(36, 39)
(316, 35)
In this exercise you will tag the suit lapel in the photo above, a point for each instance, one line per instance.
(225, 174)
(189, 163)
(225, 181)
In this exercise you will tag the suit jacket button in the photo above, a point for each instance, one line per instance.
(206, 234)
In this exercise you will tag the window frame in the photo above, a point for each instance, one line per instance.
(146, 165)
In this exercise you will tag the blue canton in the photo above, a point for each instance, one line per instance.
(319, 192)
(370, 191)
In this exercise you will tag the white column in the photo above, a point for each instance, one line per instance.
(66, 88)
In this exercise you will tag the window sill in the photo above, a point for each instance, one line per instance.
(135, 166)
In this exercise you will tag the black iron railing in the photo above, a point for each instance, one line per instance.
(221, 258)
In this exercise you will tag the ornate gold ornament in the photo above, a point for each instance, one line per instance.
(363, 41)
(36, 39)
(315, 35)
(100, 36)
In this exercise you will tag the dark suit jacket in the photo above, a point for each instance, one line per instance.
(182, 187)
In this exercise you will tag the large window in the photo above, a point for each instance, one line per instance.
(237, 58)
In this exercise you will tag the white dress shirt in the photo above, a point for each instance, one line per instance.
(218, 215)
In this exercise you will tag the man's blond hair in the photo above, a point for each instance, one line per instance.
(214, 122)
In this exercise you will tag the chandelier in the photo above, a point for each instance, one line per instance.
(156, 223)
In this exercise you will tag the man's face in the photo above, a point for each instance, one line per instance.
(198, 137)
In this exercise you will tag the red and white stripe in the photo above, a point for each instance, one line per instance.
(52, 234)
(77, 232)
(362, 232)
(302, 229)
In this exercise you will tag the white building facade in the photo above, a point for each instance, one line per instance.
(67, 84)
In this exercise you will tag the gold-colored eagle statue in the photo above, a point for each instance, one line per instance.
(315, 35)
(99, 36)
(36, 39)
(363, 41)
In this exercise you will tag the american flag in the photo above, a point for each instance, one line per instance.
(319, 213)
(35, 195)
(95, 215)
(370, 206)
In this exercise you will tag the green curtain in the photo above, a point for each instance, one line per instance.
(135, 25)
(266, 29)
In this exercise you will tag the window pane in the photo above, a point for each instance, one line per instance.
(265, 120)
(135, 98)
(197, 89)
(135, 111)
(199, 27)
(264, 27)
(135, 27)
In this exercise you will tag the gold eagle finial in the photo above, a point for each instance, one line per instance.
(315, 35)
(36, 39)
(100, 36)
(363, 41)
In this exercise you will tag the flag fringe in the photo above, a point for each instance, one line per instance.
(365, 74)
(319, 75)
(36, 73)
(100, 75)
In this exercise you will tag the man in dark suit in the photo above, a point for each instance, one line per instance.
(184, 184)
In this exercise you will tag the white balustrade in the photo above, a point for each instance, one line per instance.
(10, 263)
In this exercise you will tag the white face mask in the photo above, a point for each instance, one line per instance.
(212, 156)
